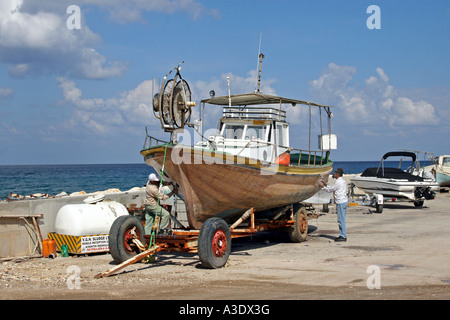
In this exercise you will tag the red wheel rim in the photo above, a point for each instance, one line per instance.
(219, 243)
(127, 240)
(303, 224)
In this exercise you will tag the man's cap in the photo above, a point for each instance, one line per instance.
(153, 177)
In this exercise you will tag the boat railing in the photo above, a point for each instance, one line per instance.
(299, 157)
(308, 158)
(152, 141)
(313, 157)
(254, 113)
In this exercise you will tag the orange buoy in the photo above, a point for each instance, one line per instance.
(284, 159)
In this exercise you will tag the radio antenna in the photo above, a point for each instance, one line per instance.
(258, 65)
(261, 56)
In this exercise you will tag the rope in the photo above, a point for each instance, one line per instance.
(156, 225)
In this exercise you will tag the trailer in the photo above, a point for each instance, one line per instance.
(377, 200)
(374, 200)
(129, 244)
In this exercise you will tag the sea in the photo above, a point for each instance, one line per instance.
(55, 179)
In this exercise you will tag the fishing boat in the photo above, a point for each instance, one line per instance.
(395, 184)
(442, 171)
(247, 163)
(243, 178)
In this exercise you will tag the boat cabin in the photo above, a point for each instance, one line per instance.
(255, 126)
(255, 132)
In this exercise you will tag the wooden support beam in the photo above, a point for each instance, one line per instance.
(126, 263)
(11, 216)
(248, 213)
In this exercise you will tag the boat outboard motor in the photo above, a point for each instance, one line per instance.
(424, 193)
(429, 195)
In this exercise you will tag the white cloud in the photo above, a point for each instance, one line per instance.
(38, 41)
(134, 108)
(376, 103)
(35, 39)
(238, 84)
(128, 110)
(127, 11)
(131, 11)
(5, 93)
(414, 112)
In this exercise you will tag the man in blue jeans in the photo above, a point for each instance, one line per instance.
(339, 190)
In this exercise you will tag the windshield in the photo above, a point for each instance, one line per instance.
(255, 133)
(233, 131)
(446, 162)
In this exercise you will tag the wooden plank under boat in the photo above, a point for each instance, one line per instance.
(225, 185)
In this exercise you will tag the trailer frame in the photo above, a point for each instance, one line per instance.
(190, 240)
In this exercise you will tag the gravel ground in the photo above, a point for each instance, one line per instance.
(404, 250)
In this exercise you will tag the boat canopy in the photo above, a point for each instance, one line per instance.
(400, 154)
(248, 99)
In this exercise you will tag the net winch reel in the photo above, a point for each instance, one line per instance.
(172, 105)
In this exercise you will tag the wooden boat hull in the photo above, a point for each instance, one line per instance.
(216, 184)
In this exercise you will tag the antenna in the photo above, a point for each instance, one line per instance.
(258, 62)
(261, 56)
(229, 92)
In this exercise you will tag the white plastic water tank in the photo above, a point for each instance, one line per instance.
(88, 219)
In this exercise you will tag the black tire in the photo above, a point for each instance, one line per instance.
(378, 208)
(214, 243)
(120, 246)
(418, 204)
(299, 231)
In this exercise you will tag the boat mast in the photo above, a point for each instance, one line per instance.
(258, 65)
(261, 56)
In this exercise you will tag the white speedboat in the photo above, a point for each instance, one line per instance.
(395, 184)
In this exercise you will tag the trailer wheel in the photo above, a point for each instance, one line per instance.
(121, 235)
(418, 204)
(378, 208)
(299, 231)
(214, 243)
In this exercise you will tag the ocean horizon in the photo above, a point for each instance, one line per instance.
(54, 179)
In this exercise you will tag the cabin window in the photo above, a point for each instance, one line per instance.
(233, 131)
(255, 133)
(281, 135)
(446, 162)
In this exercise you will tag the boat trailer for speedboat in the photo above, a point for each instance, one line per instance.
(374, 200)
(129, 244)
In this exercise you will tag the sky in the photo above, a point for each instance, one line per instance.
(77, 77)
